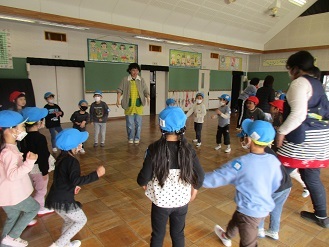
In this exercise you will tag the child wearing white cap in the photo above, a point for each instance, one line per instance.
(256, 176)
(66, 183)
(15, 187)
(171, 176)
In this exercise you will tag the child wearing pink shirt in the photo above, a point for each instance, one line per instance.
(15, 184)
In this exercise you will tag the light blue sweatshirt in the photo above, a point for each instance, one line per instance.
(255, 176)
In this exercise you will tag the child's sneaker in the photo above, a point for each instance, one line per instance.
(45, 212)
(261, 233)
(74, 243)
(136, 141)
(102, 144)
(221, 234)
(15, 242)
(198, 144)
(32, 222)
(271, 234)
(218, 147)
(227, 150)
(323, 222)
(82, 151)
(95, 145)
(131, 141)
(54, 150)
(305, 193)
(195, 140)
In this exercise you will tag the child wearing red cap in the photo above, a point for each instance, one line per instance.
(18, 100)
(253, 112)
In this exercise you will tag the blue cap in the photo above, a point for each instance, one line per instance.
(70, 138)
(261, 132)
(83, 101)
(10, 118)
(34, 114)
(99, 92)
(48, 94)
(172, 119)
(282, 96)
(199, 94)
(226, 97)
(170, 101)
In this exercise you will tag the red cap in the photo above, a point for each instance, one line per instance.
(14, 95)
(253, 99)
(278, 104)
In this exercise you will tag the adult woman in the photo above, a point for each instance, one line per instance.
(266, 94)
(303, 137)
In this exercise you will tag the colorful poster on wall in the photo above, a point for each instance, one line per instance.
(275, 62)
(230, 63)
(179, 58)
(110, 51)
(6, 59)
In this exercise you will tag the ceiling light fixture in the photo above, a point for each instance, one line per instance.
(299, 3)
(149, 38)
(162, 40)
(12, 18)
(177, 42)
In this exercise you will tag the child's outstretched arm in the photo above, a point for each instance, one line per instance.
(222, 176)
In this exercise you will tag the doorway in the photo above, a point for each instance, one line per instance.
(153, 93)
(203, 87)
(236, 88)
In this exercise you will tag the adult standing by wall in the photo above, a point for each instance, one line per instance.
(135, 94)
(266, 94)
(250, 90)
(303, 137)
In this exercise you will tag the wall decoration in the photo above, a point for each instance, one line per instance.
(275, 62)
(230, 63)
(187, 59)
(6, 59)
(110, 51)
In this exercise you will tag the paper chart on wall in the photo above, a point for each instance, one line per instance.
(6, 59)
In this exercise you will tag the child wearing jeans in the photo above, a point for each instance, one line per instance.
(256, 176)
(171, 175)
(99, 112)
(223, 113)
(53, 119)
(15, 186)
(199, 111)
(66, 183)
(37, 143)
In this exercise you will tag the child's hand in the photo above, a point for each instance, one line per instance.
(77, 123)
(144, 187)
(100, 120)
(77, 189)
(31, 156)
(83, 124)
(213, 116)
(100, 171)
(218, 112)
(193, 194)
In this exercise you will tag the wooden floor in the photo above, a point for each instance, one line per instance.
(119, 213)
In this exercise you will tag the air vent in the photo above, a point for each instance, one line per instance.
(214, 55)
(55, 36)
(155, 48)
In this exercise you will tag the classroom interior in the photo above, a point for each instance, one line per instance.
(219, 32)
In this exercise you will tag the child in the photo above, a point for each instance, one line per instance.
(80, 119)
(199, 110)
(171, 176)
(98, 115)
(223, 114)
(170, 102)
(252, 111)
(53, 119)
(37, 143)
(256, 176)
(15, 186)
(66, 182)
(18, 100)
(276, 111)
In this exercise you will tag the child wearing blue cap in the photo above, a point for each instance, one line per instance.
(99, 112)
(81, 118)
(171, 176)
(255, 176)
(199, 111)
(37, 143)
(223, 113)
(15, 187)
(53, 119)
(66, 181)
(170, 102)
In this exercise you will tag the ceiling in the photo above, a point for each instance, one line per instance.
(242, 25)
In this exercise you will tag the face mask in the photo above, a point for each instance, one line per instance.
(83, 108)
(221, 103)
(97, 99)
(199, 101)
(51, 101)
(20, 136)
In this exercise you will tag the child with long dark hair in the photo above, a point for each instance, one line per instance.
(171, 176)
(66, 182)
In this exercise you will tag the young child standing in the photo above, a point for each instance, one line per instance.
(171, 176)
(253, 196)
(37, 143)
(199, 111)
(252, 111)
(99, 112)
(18, 100)
(15, 186)
(66, 182)
(80, 119)
(223, 113)
(53, 119)
(170, 102)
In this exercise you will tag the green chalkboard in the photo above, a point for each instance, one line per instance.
(181, 79)
(18, 72)
(281, 79)
(104, 76)
(220, 80)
